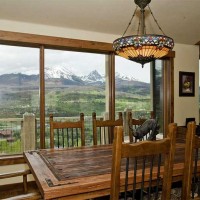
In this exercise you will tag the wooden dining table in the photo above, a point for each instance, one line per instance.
(80, 173)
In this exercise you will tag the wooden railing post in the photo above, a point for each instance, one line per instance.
(125, 120)
(28, 132)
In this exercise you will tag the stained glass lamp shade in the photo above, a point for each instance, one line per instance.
(143, 48)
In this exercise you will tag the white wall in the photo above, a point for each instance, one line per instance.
(187, 60)
(39, 29)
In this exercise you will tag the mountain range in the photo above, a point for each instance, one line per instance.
(61, 76)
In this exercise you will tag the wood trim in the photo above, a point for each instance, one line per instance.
(26, 39)
(11, 160)
(112, 87)
(34, 40)
(171, 54)
(168, 92)
(42, 99)
(171, 88)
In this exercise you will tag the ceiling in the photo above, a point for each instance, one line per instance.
(179, 19)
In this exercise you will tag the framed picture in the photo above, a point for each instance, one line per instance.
(186, 83)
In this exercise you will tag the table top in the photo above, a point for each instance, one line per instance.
(79, 173)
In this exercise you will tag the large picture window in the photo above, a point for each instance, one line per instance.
(75, 83)
(39, 79)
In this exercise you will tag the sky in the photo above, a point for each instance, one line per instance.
(26, 60)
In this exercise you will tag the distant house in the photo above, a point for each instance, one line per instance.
(11, 139)
(4, 134)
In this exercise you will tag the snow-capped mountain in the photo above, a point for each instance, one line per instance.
(62, 76)
(124, 77)
(93, 77)
(58, 72)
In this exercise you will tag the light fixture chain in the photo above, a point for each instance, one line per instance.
(130, 21)
(156, 20)
(138, 30)
(143, 48)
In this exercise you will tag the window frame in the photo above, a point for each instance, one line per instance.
(51, 42)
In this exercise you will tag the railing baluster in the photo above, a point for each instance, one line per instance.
(63, 142)
(72, 137)
(58, 137)
(76, 137)
(67, 137)
(100, 135)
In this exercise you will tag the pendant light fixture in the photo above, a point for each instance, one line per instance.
(143, 48)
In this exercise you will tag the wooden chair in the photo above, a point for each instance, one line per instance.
(133, 124)
(103, 129)
(136, 156)
(13, 195)
(190, 175)
(23, 173)
(68, 134)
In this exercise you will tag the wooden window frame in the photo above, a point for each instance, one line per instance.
(49, 42)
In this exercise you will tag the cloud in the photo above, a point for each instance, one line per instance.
(15, 59)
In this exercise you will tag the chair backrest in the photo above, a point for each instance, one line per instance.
(133, 124)
(67, 133)
(192, 145)
(103, 129)
(144, 171)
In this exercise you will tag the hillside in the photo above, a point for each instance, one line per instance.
(61, 77)
(68, 94)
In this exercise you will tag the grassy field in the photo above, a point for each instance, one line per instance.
(65, 102)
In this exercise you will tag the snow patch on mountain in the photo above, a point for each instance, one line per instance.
(58, 72)
(93, 76)
(124, 77)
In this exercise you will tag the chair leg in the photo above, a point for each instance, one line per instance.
(25, 183)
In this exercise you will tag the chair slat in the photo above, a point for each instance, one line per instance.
(144, 152)
(68, 133)
(103, 129)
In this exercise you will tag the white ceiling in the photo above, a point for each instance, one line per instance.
(179, 19)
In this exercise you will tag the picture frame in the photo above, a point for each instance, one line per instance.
(187, 84)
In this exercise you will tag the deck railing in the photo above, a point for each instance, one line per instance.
(10, 135)
(11, 140)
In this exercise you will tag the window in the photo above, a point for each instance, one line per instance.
(140, 90)
(158, 90)
(74, 83)
(19, 93)
(133, 87)
(23, 93)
